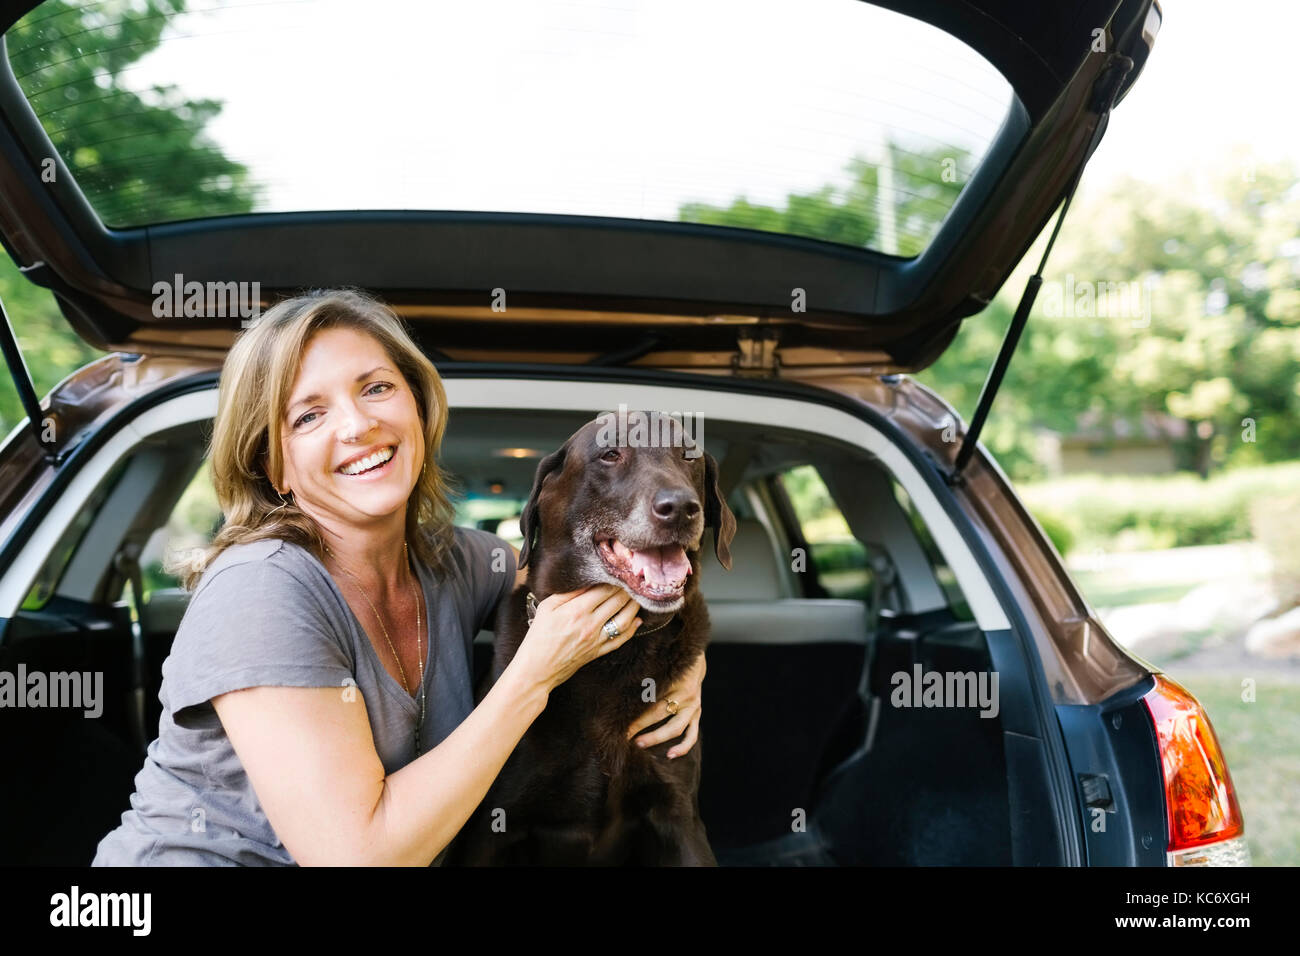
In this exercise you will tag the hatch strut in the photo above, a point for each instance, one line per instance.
(23, 382)
(1107, 88)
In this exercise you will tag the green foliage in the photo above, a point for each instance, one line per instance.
(1165, 511)
(1216, 341)
(138, 156)
(1179, 298)
(1276, 524)
(1056, 529)
(830, 556)
(51, 349)
(925, 185)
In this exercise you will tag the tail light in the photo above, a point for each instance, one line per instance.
(1205, 823)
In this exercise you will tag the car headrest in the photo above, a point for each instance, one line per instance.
(754, 575)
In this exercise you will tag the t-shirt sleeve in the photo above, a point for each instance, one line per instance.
(491, 569)
(254, 624)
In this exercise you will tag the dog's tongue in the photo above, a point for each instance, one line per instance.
(662, 566)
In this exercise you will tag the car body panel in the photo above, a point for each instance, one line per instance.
(1082, 663)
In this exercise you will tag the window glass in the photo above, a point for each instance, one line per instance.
(193, 524)
(47, 579)
(839, 559)
(830, 119)
(942, 572)
(498, 515)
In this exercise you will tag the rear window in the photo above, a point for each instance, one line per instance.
(827, 119)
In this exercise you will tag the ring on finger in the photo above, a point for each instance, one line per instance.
(611, 630)
(672, 706)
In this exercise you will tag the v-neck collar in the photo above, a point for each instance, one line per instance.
(388, 680)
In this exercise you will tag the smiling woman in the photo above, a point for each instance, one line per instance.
(339, 579)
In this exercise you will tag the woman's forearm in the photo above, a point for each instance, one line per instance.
(425, 804)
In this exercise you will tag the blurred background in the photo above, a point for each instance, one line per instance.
(1150, 419)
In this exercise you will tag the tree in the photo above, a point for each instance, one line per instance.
(1209, 332)
(1179, 298)
(921, 188)
(139, 156)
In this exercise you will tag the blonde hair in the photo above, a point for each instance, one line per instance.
(256, 380)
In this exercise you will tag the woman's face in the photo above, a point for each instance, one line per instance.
(349, 409)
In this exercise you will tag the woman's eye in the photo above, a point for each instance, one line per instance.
(304, 419)
(383, 385)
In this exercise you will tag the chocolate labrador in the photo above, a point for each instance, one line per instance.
(576, 791)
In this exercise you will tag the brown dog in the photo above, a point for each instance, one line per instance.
(576, 790)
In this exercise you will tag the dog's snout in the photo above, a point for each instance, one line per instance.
(675, 505)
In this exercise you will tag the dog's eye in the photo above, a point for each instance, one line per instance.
(612, 451)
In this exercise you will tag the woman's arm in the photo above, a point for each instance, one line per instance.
(310, 755)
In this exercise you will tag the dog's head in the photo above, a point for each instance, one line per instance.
(628, 507)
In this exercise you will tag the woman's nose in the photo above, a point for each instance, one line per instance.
(354, 424)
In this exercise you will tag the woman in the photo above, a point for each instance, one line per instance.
(317, 706)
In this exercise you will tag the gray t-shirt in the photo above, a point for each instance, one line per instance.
(269, 614)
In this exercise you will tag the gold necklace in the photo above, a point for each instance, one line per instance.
(419, 647)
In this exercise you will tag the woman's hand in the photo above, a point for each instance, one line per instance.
(686, 694)
(568, 631)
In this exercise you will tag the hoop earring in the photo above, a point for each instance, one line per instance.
(284, 505)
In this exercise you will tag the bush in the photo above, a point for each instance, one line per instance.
(837, 556)
(1057, 530)
(1162, 511)
(1277, 528)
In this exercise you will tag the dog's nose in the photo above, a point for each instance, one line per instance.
(671, 505)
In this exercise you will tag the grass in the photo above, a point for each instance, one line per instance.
(1109, 590)
(1260, 740)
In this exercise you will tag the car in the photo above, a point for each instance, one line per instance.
(901, 670)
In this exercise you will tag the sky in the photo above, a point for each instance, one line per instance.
(1220, 75)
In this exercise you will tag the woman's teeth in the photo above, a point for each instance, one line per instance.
(365, 464)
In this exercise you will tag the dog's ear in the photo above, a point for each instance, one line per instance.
(529, 521)
(716, 513)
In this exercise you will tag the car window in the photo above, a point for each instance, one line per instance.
(957, 602)
(193, 524)
(498, 515)
(47, 579)
(829, 119)
(837, 557)
(195, 520)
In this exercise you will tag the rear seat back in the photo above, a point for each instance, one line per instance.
(752, 604)
(782, 675)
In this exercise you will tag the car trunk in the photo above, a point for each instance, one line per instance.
(803, 765)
